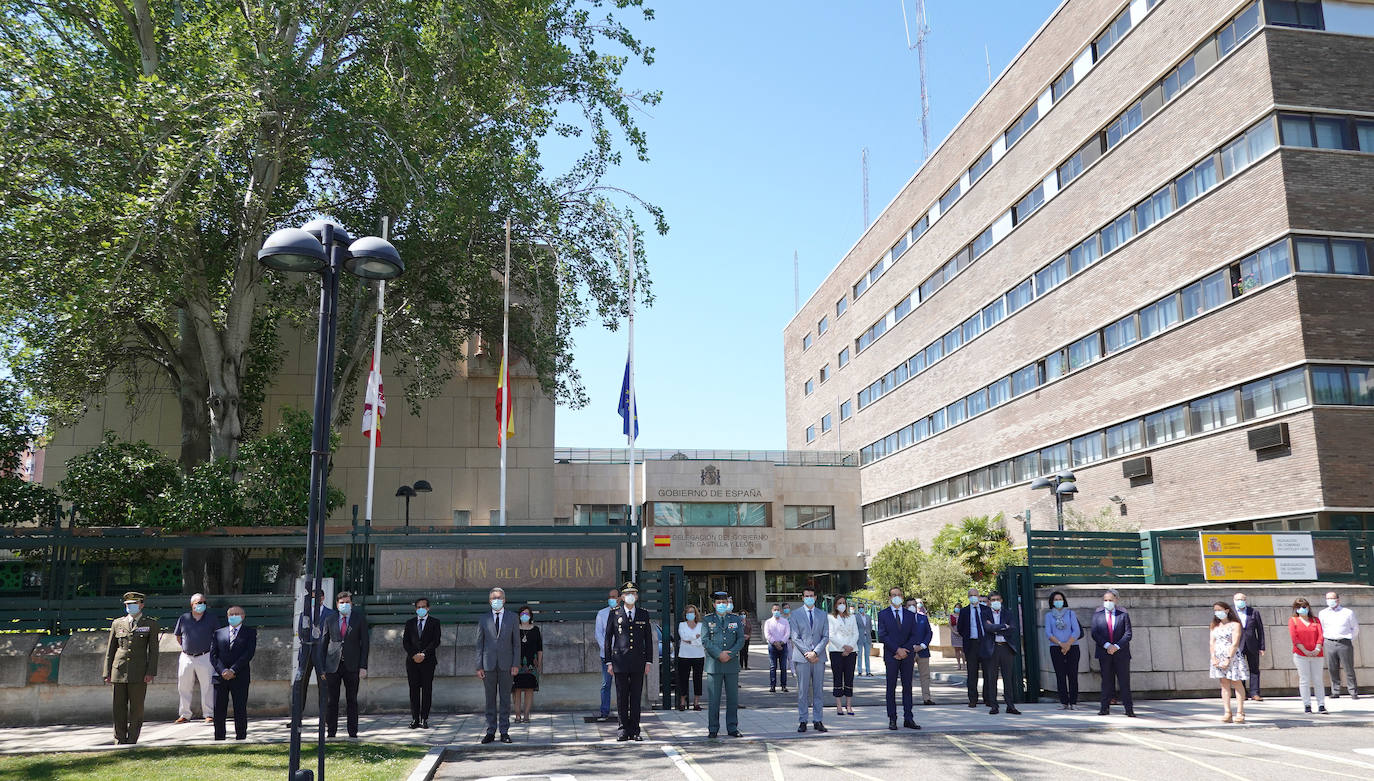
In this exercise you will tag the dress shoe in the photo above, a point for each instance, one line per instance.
(506, 738)
(973, 704)
(820, 727)
(910, 724)
(424, 723)
(1322, 709)
(1335, 695)
(1130, 714)
(801, 727)
(734, 733)
(414, 724)
(710, 734)
(329, 735)
(892, 724)
(489, 737)
(784, 688)
(1103, 712)
(1307, 709)
(772, 690)
(622, 737)
(1354, 695)
(994, 710)
(637, 737)
(928, 702)
(181, 720)
(1013, 711)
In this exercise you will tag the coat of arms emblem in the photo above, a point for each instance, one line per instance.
(710, 476)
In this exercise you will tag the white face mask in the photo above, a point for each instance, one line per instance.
(1220, 614)
(1332, 602)
(630, 599)
(1109, 606)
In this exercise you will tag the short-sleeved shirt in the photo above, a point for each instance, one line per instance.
(196, 636)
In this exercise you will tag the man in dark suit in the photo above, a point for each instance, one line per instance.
(420, 638)
(314, 634)
(1112, 633)
(629, 646)
(1251, 641)
(897, 633)
(970, 623)
(231, 652)
(498, 659)
(1001, 641)
(346, 661)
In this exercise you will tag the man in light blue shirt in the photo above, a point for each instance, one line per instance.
(612, 600)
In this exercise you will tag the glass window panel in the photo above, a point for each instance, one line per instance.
(1154, 208)
(1085, 351)
(929, 286)
(947, 200)
(810, 433)
(1257, 399)
(1296, 130)
(810, 386)
(999, 392)
(920, 430)
(1260, 138)
(1364, 133)
(843, 358)
(980, 167)
(875, 272)
(1087, 449)
(1290, 389)
(956, 412)
(1329, 385)
(1121, 334)
(1206, 294)
(1159, 316)
(937, 422)
(1329, 132)
(1026, 467)
(900, 246)
(1020, 296)
(825, 423)
(953, 340)
(1348, 257)
(1116, 234)
(901, 373)
(1070, 169)
(806, 342)
(978, 402)
(972, 327)
(993, 314)
(1022, 124)
(1029, 204)
(1124, 438)
(1166, 426)
(1056, 365)
(917, 363)
(902, 309)
(846, 409)
(1024, 380)
(1084, 255)
(934, 352)
(1054, 458)
(1062, 84)
(841, 306)
(823, 325)
(1361, 385)
(1213, 412)
(1051, 276)
(1179, 78)
(1312, 255)
(904, 437)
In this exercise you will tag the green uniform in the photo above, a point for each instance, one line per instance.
(722, 633)
(130, 655)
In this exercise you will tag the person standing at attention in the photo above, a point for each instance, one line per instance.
(607, 681)
(193, 632)
(421, 638)
(844, 638)
(629, 654)
(865, 624)
(1228, 663)
(231, 655)
(777, 631)
(130, 664)
(691, 658)
(346, 663)
(1251, 642)
(748, 625)
(1340, 629)
(897, 633)
(1001, 644)
(1062, 630)
(498, 655)
(1306, 633)
(969, 624)
(722, 639)
(1111, 631)
(526, 681)
(809, 635)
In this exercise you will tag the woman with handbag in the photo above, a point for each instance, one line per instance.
(526, 681)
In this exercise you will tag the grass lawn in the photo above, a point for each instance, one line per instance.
(344, 762)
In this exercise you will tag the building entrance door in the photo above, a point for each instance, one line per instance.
(701, 585)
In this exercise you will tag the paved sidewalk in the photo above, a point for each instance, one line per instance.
(773, 716)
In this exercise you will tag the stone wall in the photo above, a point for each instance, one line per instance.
(571, 678)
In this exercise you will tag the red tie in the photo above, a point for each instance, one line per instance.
(1111, 626)
(343, 630)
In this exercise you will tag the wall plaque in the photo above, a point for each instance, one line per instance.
(449, 569)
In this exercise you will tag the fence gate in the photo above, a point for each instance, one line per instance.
(1018, 590)
(664, 593)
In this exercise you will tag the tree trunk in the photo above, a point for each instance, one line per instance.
(192, 392)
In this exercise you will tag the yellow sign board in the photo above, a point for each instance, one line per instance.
(1254, 569)
(1241, 544)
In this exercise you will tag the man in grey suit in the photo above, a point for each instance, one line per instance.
(810, 632)
(498, 647)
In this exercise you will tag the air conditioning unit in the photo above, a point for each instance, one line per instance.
(1136, 467)
(1268, 437)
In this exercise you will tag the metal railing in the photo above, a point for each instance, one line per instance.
(571, 455)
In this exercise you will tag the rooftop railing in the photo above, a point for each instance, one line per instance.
(566, 455)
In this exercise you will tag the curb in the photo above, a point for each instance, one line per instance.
(429, 765)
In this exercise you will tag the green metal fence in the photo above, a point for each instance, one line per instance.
(1085, 557)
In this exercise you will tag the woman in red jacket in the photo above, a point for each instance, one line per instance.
(1306, 632)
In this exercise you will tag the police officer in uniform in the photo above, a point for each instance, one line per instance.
(629, 644)
(722, 635)
(130, 664)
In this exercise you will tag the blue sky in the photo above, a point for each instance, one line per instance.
(755, 153)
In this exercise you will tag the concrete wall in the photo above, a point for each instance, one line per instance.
(1170, 625)
(571, 680)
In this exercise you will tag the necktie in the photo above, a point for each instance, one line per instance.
(233, 635)
(343, 628)
(898, 614)
(631, 614)
(420, 628)
(498, 622)
(810, 619)
(1111, 625)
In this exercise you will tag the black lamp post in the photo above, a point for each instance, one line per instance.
(410, 491)
(325, 248)
(1062, 485)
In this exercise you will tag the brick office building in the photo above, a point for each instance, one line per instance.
(1143, 255)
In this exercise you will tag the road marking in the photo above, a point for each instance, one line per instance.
(977, 758)
(830, 765)
(774, 763)
(1185, 758)
(1291, 749)
(994, 747)
(1252, 758)
(690, 769)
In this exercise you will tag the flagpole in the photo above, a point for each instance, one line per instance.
(633, 423)
(377, 367)
(504, 381)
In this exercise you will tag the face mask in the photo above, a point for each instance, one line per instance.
(1109, 606)
(1302, 611)
(524, 618)
(421, 611)
(1059, 604)
(235, 620)
(497, 604)
(721, 607)
(630, 599)
(611, 601)
(919, 605)
(840, 608)
(995, 604)
(345, 608)
(777, 613)
(1220, 614)
(1240, 604)
(911, 608)
(973, 601)
(787, 611)
(199, 608)
(693, 616)
(133, 609)
(809, 601)
(896, 601)
(1332, 602)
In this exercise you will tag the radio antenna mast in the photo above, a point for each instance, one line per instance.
(922, 30)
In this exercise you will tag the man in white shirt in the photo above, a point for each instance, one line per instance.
(612, 602)
(1340, 629)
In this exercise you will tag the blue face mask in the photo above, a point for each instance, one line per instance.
(721, 607)
(777, 613)
(1302, 611)
(1059, 604)
(345, 608)
(1240, 604)
(612, 602)
(995, 604)
(235, 620)
(809, 601)
(691, 616)
(787, 611)
(200, 608)
(421, 611)
(497, 604)
(730, 607)
(524, 618)
(896, 601)
(133, 609)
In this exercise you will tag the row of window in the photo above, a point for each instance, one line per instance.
(1199, 178)
(800, 516)
(1288, 390)
(1235, 31)
(1314, 254)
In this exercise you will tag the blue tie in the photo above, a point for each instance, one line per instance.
(810, 618)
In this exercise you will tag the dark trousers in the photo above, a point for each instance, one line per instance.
(1252, 660)
(1066, 673)
(348, 679)
(629, 688)
(899, 669)
(128, 710)
(307, 672)
(421, 680)
(1116, 681)
(777, 663)
(1341, 653)
(689, 668)
(744, 656)
(1000, 663)
(842, 673)
(975, 665)
(237, 691)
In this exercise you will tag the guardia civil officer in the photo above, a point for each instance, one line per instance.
(629, 644)
(722, 637)
(130, 664)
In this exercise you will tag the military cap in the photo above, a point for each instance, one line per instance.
(720, 595)
(132, 596)
(629, 587)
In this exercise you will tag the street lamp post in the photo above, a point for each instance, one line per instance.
(411, 491)
(1061, 485)
(325, 248)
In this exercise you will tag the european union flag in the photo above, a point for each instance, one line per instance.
(625, 404)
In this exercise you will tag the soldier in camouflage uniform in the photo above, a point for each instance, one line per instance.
(130, 664)
(722, 636)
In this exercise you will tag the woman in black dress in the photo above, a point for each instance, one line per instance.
(526, 681)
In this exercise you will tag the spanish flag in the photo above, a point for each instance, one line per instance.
(503, 392)
(662, 540)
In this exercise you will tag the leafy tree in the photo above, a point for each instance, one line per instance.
(982, 544)
(942, 582)
(21, 501)
(149, 146)
(895, 564)
(1106, 519)
(118, 483)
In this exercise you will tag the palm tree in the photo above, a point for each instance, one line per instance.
(977, 543)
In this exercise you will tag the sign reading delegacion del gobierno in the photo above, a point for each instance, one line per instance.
(409, 569)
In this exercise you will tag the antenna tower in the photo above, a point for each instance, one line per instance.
(864, 157)
(922, 30)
